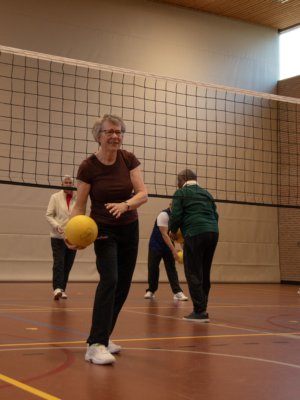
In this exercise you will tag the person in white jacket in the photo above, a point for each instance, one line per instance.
(58, 214)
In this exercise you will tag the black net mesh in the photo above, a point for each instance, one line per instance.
(243, 146)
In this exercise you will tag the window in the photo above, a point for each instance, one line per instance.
(289, 44)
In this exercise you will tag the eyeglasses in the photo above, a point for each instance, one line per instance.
(110, 132)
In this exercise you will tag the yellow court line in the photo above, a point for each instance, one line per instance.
(156, 338)
(27, 388)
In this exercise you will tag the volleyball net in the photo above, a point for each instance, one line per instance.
(242, 145)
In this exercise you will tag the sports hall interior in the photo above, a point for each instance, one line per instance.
(256, 264)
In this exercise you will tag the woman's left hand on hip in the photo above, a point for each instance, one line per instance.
(116, 209)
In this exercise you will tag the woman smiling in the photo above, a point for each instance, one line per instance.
(109, 177)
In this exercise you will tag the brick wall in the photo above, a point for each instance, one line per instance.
(289, 180)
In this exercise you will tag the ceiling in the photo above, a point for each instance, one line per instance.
(279, 14)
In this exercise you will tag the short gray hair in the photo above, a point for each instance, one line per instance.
(113, 118)
(66, 177)
(188, 175)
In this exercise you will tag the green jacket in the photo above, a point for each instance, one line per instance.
(193, 216)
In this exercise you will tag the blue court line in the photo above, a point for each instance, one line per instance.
(136, 337)
(39, 323)
(37, 340)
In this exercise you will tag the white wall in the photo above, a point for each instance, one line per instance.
(153, 38)
(148, 37)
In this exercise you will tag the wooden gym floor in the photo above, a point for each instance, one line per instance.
(249, 350)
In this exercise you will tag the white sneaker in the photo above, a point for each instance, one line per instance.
(149, 295)
(113, 348)
(57, 294)
(180, 296)
(98, 354)
(64, 296)
(299, 291)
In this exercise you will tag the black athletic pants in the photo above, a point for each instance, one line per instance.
(63, 259)
(116, 259)
(197, 257)
(154, 259)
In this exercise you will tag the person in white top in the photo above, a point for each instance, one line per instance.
(161, 247)
(58, 214)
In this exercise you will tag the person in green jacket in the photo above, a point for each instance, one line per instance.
(198, 222)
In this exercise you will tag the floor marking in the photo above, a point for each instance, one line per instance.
(221, 355)
(281, 342)
(211, 324)
(38, 311)
(70, 359)
(27, 388)
(32, 329)
(147, 307)
(138, 312)
(175, 351)
(251, 343)
(290, 293)
(293, 334)
(36, 344)
(34, 340)
(40, 323)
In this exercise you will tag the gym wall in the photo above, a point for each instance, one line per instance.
(153, 38)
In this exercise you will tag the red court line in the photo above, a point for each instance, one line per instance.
(69, 361)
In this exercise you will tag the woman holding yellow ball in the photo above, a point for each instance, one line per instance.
(109, 177)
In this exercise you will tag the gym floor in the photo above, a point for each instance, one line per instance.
(249, 349)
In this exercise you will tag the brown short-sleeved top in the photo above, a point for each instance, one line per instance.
(109, 184)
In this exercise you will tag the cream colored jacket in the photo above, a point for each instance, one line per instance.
(58, 213)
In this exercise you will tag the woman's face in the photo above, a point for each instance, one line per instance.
(111, 136)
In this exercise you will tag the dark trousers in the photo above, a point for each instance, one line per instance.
(63, 259)
(116, 259)
(154, 259)
(197, 257)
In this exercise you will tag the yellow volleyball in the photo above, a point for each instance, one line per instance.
(180, 237)
(81, 231)
(180, 259)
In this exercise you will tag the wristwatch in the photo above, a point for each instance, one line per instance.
(127, 204)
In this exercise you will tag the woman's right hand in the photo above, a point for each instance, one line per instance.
(60, 229)
(175, 254)
(73, 246)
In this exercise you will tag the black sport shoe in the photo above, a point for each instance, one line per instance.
(197, 317)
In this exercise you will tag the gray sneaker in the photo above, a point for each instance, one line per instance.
(113, 348)
(98, 354)
(197, 317)
(180, 296)
(149, 295)
(57, 294)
